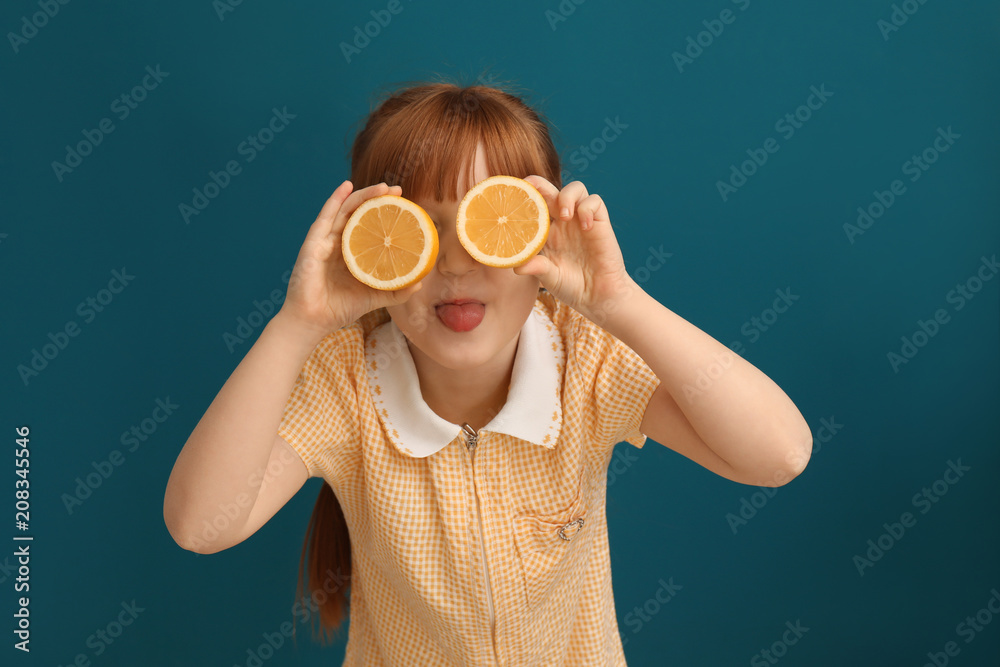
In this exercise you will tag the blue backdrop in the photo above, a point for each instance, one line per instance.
(814, 184)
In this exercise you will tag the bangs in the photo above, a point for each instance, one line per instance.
(424, 138)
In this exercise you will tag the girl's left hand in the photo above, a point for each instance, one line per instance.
(581, 263)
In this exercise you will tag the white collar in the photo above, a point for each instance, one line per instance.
(533, 411)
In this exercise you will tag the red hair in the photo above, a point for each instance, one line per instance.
(419, 138)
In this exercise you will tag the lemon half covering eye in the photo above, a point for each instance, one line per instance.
(503, 221)
(389, 243)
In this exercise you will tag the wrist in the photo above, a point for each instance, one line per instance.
(296, 332)
(607, 310)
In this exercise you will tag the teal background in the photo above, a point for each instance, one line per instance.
(162, 336)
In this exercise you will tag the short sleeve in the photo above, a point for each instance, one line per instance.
(320, 413)
(623, 385)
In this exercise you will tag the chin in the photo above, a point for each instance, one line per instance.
(456, 356)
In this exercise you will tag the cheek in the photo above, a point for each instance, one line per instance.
(410, 318)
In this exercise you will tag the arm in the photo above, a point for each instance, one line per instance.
(218, 493)
(742, 426)
(735, 421)
(218, 481)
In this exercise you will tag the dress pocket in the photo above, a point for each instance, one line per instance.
(549, 547)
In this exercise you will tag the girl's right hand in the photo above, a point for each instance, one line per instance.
(323, 295)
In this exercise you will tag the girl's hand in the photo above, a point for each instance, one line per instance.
(581, 263)
(323, 295)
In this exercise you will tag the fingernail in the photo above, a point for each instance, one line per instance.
(563, 213)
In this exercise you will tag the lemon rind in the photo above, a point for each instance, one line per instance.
(531, 249)
(427, 257)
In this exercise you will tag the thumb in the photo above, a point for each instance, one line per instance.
(402, 295)
(539, 266)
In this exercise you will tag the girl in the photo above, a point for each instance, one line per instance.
(465, 448)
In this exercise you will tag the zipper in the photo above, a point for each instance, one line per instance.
(471, 438)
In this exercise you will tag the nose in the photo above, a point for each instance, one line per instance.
(453, 259)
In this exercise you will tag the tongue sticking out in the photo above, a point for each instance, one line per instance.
(461, 318)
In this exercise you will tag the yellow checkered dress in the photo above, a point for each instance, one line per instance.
(490, 554)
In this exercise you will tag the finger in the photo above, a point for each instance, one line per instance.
(541, 183)
(568, 199)
(333, 216)
(403, 295)
(321, 227)
(548, 192)
(591, 210)
(355, 200)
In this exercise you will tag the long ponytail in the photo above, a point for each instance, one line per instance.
(328, 545)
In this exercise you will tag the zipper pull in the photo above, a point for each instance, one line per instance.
(471, 436)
